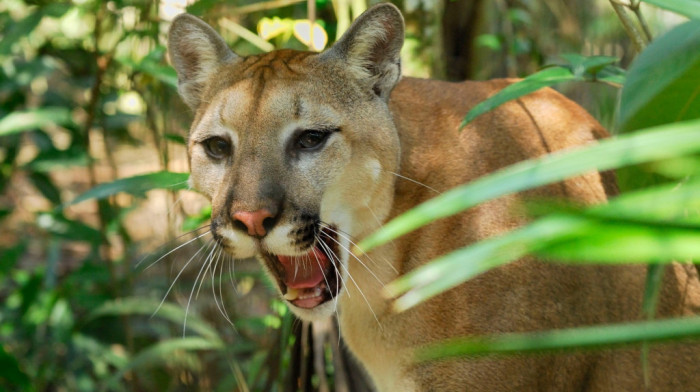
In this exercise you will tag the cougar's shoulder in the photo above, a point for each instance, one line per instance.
(437, 151)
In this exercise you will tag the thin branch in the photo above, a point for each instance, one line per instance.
(264, 6)
(638, 38)
(311, 15)
(642, 22)
(246, 34)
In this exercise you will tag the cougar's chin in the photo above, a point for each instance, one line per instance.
(311, 281)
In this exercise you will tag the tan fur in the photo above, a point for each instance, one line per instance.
(259, 102)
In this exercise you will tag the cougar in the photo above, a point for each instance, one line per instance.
(302, 154)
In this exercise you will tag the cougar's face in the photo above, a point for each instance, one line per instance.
(297, 164)
(296, 150)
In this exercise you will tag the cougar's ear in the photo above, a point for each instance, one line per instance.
(196, 52)
(371, 48)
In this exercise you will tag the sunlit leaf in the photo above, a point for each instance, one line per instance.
(677, 168)
(28, 120)
(649, 145)
(315, 38)
(585, 337)
(689, 8)
(612, 242)
(137, 185)
(673, 204)
(269, 28)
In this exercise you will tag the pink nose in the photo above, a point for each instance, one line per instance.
(253, 221)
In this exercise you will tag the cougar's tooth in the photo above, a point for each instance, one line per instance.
(291, 294)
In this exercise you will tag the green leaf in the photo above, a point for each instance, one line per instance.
(689, 8)
(175, 138)
(45, 185)
(454, 268)
(544, 78)
(146, 307)
(490, 41)
(663, 83)
(611, 242)
(152, 66)
(56, 9)
(18, 30)
(649, 145)
(98, 351)
(137, 185)
(53, 159)
(612, 75)
(72, 230)
(652, 210)
(11, 376)
(165, 352)
(10, 256)
(581, 65)
(576, 68)
(161, 72)
(663, 86)
(652, 289)
(199, 7)
(585, 337)
(670, 204)
(195, 221)
(28, 120)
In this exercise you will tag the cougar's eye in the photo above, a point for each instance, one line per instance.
(217, 148)
(311, 140)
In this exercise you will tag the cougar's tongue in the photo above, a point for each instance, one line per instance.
(305, 271)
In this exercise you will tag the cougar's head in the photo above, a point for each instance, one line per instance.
(295, 149)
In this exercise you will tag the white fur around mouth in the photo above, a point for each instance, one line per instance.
(309, 290)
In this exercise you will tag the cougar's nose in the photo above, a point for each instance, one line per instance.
(253, 221)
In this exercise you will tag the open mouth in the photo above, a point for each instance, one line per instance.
(311, 279)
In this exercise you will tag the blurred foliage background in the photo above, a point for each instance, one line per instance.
(101, 242)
